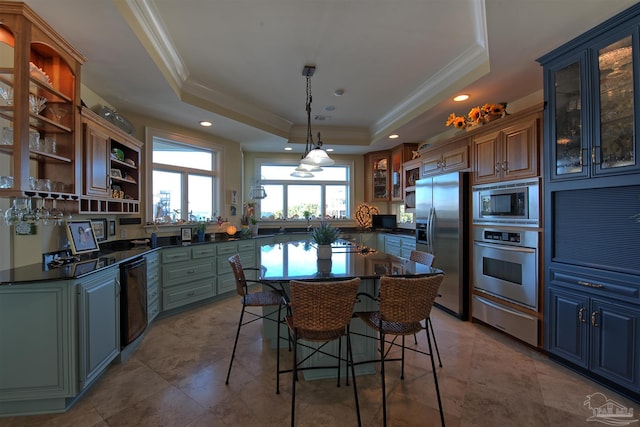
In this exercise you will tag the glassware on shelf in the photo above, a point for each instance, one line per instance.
(7, 95)
(19, 211)
(43, 214)
(6, 182)
(58, 112)
(7, 136)
(37, 103)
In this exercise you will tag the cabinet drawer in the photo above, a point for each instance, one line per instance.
(224, 267)
(153, 261)
(248, 245)
(226, 283)
(152, 291)
(177, 274)
(153, 309)
(181, 295)
(620, 290)
(176, 255)
(203, 251)
(227, 249)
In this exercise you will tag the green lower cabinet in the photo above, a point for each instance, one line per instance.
(38, 347)
(98, 323)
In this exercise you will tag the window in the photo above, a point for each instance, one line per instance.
(325, 195)
(184, 179)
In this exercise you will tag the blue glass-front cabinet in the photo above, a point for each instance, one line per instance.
(592, 203)
(591, 102)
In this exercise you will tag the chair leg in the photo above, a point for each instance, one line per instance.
(353, 375)
(435, 377)
(339, 356)
(278, 356)
(295, 377)
(384, 391)
(402, 363)
(435, 341)
(235, 344)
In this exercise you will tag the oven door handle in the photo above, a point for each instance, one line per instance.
(505, 247)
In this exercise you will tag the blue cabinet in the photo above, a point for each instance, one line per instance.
(592, 203)
(590, 90)
(98, 323)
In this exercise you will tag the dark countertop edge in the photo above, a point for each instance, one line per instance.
(25, 275)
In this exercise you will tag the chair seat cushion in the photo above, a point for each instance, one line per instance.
(262, 298)
(372, 318)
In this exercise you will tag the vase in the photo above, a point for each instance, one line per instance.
(324, 251)
(200, 235)
(253, 228)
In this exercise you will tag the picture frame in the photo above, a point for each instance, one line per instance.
(80, 268)
(186, 233)
(112, 228)
(99, 228)
(116, 173)
(81, 237)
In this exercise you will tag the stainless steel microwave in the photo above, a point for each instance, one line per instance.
(507, 203)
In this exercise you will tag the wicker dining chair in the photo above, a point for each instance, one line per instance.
(320, 312)
(403, 304)
(426, 258)
(268, 296)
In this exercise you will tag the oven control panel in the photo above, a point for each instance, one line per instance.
(496, 236)
(504, 236)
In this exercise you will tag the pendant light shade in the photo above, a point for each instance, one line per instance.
(317, 157)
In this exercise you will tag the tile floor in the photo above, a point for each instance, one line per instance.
(176, 378)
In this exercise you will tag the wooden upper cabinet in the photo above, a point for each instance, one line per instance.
(384, 176)
(507, 153)
(40, 82)
(96, 155)
(377, 176)
(452, 157)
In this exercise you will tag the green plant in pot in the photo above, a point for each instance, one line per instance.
(253, 225)
(324, 235)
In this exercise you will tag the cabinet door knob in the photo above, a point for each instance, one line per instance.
(498, 167)
(505, 166)
(581, 315)
(594, 321)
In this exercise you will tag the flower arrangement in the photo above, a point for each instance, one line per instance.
(477, 115)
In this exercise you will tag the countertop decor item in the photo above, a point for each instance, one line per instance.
(364, 214)
(324, 235)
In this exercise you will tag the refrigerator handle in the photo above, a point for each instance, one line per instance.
(432, 219)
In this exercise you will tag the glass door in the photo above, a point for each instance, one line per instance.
(616, 147)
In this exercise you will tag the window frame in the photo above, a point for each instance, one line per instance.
(293, 163)
(218, 152)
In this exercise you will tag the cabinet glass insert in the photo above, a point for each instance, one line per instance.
(568, 120)
(616, 104)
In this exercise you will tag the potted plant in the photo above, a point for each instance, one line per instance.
(253, 226)
(324, 235)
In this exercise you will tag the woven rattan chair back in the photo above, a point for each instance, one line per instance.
(425, 258)
(408, 300)
(238, 273)
(323, 306)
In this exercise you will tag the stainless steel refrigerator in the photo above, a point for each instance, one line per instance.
(442, 207)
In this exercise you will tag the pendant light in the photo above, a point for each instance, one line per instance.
(314, 155)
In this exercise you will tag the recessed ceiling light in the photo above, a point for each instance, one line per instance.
(462, 97)
(288, 148)
(205, 123)
(338, 92)
(329, 149)
(394, 136)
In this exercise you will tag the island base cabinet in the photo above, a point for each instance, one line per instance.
(98, 323)
(40, 371)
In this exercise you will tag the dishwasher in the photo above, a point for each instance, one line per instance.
(133, 300)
